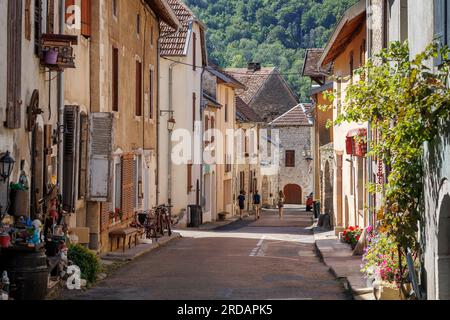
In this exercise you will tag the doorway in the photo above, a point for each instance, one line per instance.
(293, 194)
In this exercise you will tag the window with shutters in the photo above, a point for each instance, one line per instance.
(14, 70)
(51, 16)
(441, 25)
(37, 25)
(86, 18)
(100, 150)
(139, 194)
(351, 66)
(138, 88)
(115, 7)
(152, 93)
(290, 158)
(70, 160)
(28, 20)
(138, 24)
(118, 184)
(115, 79)
(213, 126)
(194, 48)
(226, 105)
(189, 178)
(83, 155)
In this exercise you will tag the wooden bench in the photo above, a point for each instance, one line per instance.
(123, 234)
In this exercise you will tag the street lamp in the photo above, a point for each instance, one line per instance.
(6, 166)
(171, 124)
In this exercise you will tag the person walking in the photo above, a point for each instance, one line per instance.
(241, 200)
(281, 204)
(257, 205)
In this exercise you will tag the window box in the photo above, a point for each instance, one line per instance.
(60, 45)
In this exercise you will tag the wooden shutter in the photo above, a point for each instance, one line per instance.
(100, 149)
(290, 158)
(37, 26)
(82, 171)
(70, 158)
(138, 88)
(28, 20)
(194, 55)
(189, 178)
(440, 27)
(51, 16)
(115, 79)
(14, 70)
(86, 18)
(152, 93)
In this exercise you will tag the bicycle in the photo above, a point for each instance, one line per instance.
(147, 223)
(163, 220)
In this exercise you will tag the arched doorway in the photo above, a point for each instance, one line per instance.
(293, 194)
(443, 259)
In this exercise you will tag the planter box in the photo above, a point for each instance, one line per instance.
(386, 293)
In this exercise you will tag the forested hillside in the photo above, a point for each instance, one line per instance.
(273, 32)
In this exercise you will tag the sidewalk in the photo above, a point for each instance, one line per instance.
(209, 226)
(139, 250)
(343, 265)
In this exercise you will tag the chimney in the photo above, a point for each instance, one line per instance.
(254, 66)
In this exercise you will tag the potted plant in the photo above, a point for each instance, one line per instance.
(351, 235)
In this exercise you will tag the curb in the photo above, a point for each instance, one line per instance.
(119, 256)
(356, 293)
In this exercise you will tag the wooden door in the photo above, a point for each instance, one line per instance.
(293, 194)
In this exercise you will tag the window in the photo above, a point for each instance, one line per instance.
(194, 102)
(51, 16)
(242, 181)
(290, 158)
(441, 24)
(226, 105)
(194, 48)
(114, 7)
(189, 178)
(139, 195)
(152, 93)
(151, 36)
(82, 171)
(115, 79)
(213, 126)
(338, 94)
(138, 24)
(138, 89)
(118, 185)
(351, 66)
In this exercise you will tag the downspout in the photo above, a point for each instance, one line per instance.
(60, 96)
(202, 114)
(369, 125)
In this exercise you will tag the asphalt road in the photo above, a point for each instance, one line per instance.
(265, 259)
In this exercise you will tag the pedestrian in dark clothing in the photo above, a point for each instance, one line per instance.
(257, 205)
(241, 200)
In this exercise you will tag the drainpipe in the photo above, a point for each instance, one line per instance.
(202, 114)
(369, 125)
(60, 95)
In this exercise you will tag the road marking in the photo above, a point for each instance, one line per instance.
(257, 251)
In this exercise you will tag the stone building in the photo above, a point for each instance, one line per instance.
(295, 172)
(267, 93)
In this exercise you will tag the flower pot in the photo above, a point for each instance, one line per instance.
(4, 240)
(51, 57)
(386, 293)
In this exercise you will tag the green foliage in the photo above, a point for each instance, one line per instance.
(86, 260)
(406, 103)
(275, 33)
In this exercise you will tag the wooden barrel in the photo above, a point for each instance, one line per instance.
(27, 272)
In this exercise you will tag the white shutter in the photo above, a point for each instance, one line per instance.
(100, 151)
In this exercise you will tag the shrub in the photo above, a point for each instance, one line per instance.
(86, 260)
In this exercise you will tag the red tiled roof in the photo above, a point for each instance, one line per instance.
(294, 117)
(311, 67)
(254, 81)
(174, 44)
(244, 113)
(163, 11)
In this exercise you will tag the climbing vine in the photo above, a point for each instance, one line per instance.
(405, 102)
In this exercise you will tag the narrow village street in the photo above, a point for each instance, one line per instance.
(265, 259)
